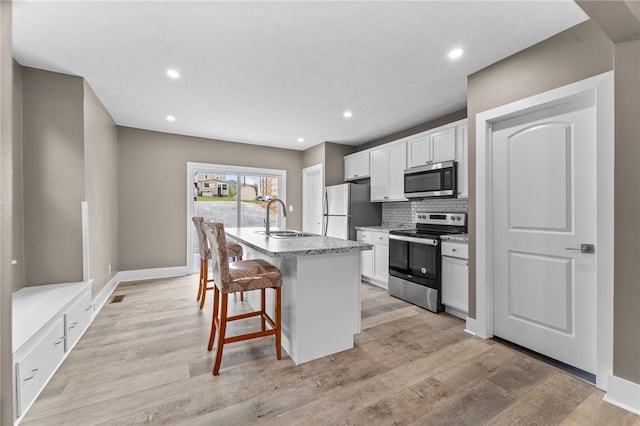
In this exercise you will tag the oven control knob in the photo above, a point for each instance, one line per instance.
(423, 270)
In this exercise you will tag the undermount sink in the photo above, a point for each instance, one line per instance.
(286, 234)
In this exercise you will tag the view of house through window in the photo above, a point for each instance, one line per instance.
(235, 199)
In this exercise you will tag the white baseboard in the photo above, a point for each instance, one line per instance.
(101, 299)
(624, 394)
(151, 274)
(471, 326)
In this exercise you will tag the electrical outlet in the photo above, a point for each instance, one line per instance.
(291, 208)
(109, 269)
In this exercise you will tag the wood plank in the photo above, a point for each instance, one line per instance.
(145, 361)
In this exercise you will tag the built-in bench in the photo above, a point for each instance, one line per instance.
(47, 322)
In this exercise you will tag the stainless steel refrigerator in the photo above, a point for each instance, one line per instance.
(346, 206)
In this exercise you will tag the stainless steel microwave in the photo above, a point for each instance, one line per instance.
(432, 180)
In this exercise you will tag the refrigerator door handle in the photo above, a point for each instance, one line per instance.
(325, 211)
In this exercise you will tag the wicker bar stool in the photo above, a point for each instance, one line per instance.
(243, 275)
(234, 250)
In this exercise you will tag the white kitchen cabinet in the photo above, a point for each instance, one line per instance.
(37, 365)
(455, 278)
(387, 172)
(462, 157)
(77, 319)
(375, 263)
(356, 166)
(432, 147)
(47, 321)
(366, 256)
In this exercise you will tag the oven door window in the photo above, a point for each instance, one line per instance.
(399, 255)
(423, 260)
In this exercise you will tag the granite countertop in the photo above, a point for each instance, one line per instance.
(294, 246)
(458, 238)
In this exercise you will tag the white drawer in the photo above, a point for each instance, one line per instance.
(35, 368)
(77, 319)
(381, 238)
(455, 250)
(364, 236)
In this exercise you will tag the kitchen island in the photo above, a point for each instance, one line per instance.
(320, 289)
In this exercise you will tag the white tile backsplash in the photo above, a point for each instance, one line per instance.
(403, 212)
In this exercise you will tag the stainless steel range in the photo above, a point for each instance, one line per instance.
(414, 258)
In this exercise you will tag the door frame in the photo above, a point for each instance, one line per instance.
(306, 172)
(602, 87)
(192, 167)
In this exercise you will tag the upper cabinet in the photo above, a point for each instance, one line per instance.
(432, 147)
(385, 164)
(462, 157)
(387, 172)
(356, 166)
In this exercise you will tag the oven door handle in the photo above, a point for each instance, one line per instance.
(425, 241)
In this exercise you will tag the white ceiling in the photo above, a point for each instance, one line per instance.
(269, 73)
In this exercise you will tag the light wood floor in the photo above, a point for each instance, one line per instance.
(144, 360)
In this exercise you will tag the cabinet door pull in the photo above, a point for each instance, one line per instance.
(59, 341)
(33, 374)
(88, 308)
(73, 325)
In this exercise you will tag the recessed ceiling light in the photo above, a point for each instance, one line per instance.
(300, 140)
(171, 118)
(173, 73)
(455, 53)
(347, 114)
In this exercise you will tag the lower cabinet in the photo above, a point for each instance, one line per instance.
(47, 321)
(455, 278)
(34, 369)
(375, 263)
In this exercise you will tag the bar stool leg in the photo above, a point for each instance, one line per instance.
(200, 281)
(278, 322)
(205, 280)
(263, 312)
(221, 338)
(214, 320)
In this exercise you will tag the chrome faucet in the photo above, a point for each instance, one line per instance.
(284, 212)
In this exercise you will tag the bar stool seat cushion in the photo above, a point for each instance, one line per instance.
(252, 274)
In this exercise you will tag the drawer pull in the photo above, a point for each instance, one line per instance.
(34, 371)
(88, 308)
(59, 341)
(453, 250)
(73, 325)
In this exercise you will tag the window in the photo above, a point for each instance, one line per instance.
(238, 197)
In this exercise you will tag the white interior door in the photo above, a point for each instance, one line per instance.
(312, 192)
(544, 207)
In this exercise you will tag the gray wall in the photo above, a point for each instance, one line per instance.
(152, 219)
(573, 55)
(334, 162)
(53, 143)
(312, 156)
(101, 189)
(626, 356)
(8, 274)
(17, 204)
(70, 155)
(578, 53)
(427, 125)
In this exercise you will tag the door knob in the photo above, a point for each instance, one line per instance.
(584, 248)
